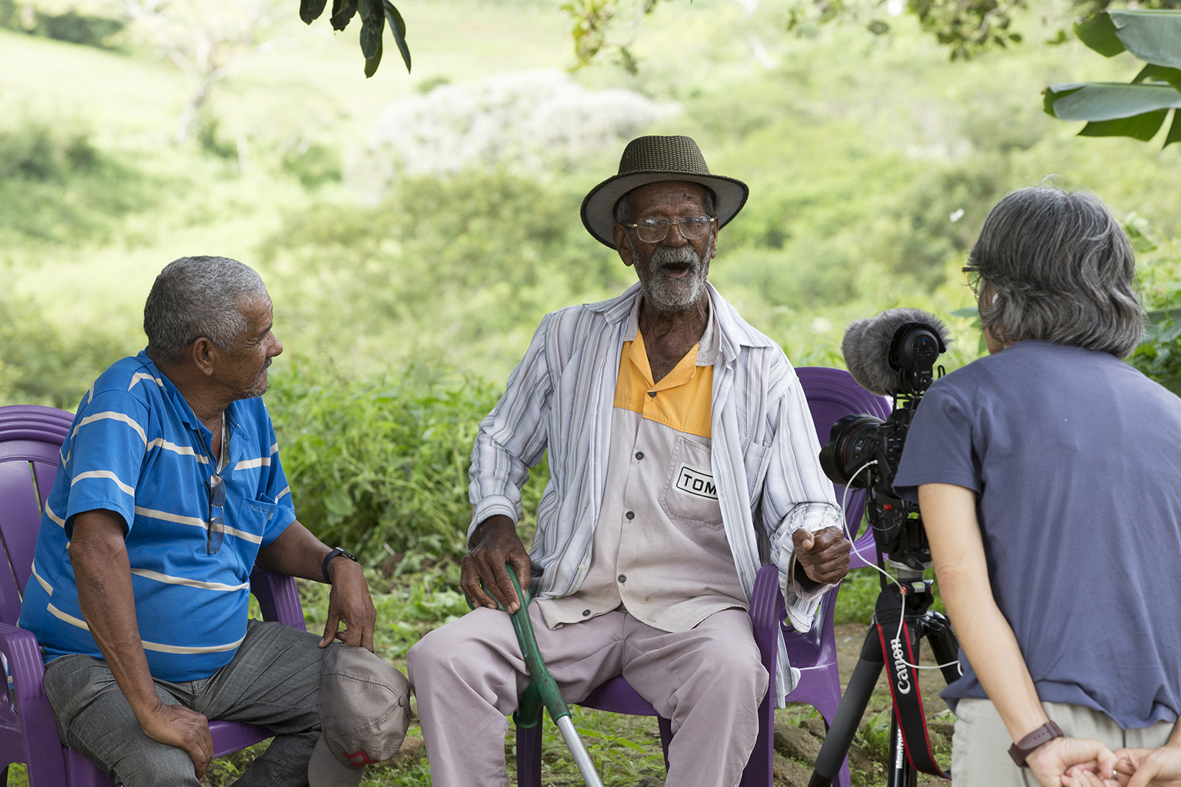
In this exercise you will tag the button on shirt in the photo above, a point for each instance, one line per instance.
(136, 448)
(659, 546)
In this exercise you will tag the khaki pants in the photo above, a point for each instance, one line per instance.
(980, 744)
(709, 681)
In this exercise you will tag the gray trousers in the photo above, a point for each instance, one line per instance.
(708, 681)
(274, 680)
(980, 743)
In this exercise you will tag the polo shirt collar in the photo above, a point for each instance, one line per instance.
(182, 407)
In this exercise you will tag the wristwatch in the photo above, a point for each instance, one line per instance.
(338, 552)
(1024, 747)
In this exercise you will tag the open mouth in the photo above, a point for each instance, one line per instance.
(677, 269)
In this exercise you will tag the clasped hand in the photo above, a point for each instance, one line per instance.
(1132, 768)
(823, 555)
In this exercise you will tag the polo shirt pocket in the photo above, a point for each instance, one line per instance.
(690, 493)
(253, 516)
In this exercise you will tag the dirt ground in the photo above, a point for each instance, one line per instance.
(796, 748)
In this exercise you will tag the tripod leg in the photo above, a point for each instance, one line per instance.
(899, 771)
(849, 712)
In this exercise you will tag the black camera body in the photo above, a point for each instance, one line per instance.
(863, 452)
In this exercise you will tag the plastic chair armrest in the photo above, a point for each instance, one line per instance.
(767, 612)
(278, 598)
(37, 725)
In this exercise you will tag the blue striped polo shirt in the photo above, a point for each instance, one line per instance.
(136, 448)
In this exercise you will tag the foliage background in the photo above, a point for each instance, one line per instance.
(405, 297)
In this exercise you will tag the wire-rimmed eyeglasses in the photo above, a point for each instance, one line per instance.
(217, 523)
(656, 230)
(972, 278)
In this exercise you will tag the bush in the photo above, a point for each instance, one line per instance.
(39, 364)
(56, 186)
(380, 465)
(458, 269)
(71, 26)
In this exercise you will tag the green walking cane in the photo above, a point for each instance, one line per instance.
(543, 689)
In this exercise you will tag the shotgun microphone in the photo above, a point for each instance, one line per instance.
(894, 353)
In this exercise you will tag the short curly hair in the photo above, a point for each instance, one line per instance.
(194, 297)
(1056, 266)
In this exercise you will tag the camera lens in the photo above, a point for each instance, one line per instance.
(852, 443)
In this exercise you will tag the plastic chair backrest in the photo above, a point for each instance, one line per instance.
(30, 439)
(832, 394)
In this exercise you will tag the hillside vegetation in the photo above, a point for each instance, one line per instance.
(404, 294)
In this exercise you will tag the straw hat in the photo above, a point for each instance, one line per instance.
(653, 160)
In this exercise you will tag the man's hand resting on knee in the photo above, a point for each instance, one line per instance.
(822, 557)
(494, 543)
(181, 727)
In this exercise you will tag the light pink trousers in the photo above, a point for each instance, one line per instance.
(469, 674)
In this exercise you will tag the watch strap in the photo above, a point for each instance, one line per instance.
(1020, 750)
(338, 552)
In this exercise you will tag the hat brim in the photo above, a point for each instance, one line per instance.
(598, 208)
(324, 770)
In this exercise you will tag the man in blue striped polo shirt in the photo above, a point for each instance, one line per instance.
(168, 493)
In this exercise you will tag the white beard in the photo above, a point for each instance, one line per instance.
(663, 292)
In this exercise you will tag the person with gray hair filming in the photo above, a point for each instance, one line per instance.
(1047, 478)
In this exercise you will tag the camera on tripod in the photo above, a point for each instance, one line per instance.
(893, 355)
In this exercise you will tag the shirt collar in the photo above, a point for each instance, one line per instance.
(707, 345)
(182, 405)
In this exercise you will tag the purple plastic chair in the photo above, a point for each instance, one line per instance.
(831, 394)
(30, 440)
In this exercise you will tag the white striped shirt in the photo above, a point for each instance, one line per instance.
(764, 449)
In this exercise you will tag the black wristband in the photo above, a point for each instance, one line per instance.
(1020, 750)
(338, 552)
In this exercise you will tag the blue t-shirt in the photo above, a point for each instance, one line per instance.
(136, 448)
(1076, 461)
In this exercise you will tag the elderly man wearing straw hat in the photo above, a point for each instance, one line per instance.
(680, 449)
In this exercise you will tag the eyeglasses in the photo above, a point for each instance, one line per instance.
(217, 524)
(972, 278)
(656, 230)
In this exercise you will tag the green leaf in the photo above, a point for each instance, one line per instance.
(339, 504)
(1159, 74)
(310, 10)
(1141, 127)
(398, 28)
(1172, 383)
(1174, 130)
(878, 27)
(1055, 92)
(373, 25)
(1096, 101)
(371, 63)
(1099, 33)
(343, 12)
(1152, 36)
(1163, 316)
(967, 311)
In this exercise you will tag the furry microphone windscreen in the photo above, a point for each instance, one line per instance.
(866, 347)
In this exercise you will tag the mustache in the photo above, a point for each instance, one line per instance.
(679, 255)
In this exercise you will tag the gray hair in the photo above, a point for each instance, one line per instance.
(194, 297)
(623, 206)
(1056, 266)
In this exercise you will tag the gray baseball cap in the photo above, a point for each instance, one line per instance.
(364, 713)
